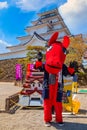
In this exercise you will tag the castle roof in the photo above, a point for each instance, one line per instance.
(34, 35)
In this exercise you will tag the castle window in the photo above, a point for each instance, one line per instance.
(48, 15)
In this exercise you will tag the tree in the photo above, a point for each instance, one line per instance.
(33, 51)
(76, 49)
(31, 56)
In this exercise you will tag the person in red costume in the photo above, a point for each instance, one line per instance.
(53, 86)
(54, 69)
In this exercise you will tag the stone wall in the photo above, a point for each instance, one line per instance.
(7, 70)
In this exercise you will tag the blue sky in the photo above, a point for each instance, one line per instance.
(15, 15)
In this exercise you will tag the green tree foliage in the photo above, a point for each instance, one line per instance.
(76, 49)
(31, 55)
(33, 50)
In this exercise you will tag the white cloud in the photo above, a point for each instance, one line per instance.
(3, 5)
(74, 14)
(3, 45)
(73, 11)
(33, 5)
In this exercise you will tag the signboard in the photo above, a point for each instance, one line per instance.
(18, 74)
(36, 85)
(67, 93)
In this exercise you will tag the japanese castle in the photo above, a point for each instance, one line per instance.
(38, 34)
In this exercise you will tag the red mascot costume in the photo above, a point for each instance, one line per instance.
(54, 69)
(52, 93)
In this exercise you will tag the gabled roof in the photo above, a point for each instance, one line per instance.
(21, 37)
(35, 34)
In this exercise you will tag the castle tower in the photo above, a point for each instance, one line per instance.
(38, 34)
(47, 23)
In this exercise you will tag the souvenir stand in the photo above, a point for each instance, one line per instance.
(31, 94)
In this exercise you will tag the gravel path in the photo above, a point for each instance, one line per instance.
(33, 119)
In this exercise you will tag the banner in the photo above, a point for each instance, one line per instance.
(29, 70)
(18, 74)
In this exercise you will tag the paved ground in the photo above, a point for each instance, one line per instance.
(30, 119)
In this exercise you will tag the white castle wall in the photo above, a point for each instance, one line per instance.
(11, 55)
(38, 30)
